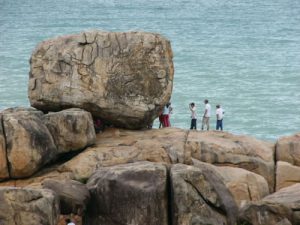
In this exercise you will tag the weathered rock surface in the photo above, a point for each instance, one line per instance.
(260, 213)
(200, 197)
(289, 197)
(244, 185)
(28, 206)
(116, 146)
(29, 144)
(288, 149)
(71, 129)
(286, 174)
(123, 78)
(3, 159)
(225, 149)
(129, 194)
(73, 195)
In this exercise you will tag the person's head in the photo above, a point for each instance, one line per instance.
(192, 104)
(218, 106)
(168, 104)
(205, 101)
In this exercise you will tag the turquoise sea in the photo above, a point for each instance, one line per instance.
(242, 54)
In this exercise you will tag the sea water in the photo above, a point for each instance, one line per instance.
(242, 54)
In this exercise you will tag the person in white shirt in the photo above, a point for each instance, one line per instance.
(206, 115)
(193, 116)
(219, 114)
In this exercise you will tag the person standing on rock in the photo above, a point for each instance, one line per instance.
(219, 114)
(166, 115)
(206, 115)
(193, 116)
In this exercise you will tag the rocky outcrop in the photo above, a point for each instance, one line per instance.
(29, 139)
(73, 195)
(129, 194)
(71, 129)
(288, 161)
(123, 78)
(28, 206)
(225, 149)
(29, 144)
(200, 197)
(244, 185)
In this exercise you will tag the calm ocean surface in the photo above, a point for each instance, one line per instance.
(242, 54)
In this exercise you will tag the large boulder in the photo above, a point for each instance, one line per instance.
(123, 78)
(71, 129)
(199, 196)
(73, 195)
(225, 149)
(129, 194)
(29, 144)
(3, 159)
(28, 206)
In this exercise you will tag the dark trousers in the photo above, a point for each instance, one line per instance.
(219, 124)
(194, 124)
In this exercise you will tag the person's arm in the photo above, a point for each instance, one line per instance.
(205, 111)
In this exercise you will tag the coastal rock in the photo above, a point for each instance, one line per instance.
(289, 197)
(200, 197)
(123, 78)
(129, 194)
(225, 149)
(71, 129)
(3, 159)
(116, 146)
(244, 185)
(261, 213)
(73, 195)
(28, 206)
(29, 144)
(286, 175)
(288, 149)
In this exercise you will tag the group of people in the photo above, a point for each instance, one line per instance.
(164, 117)
(206, 116)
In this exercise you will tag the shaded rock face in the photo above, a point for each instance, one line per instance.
(29, 143)
(200, 197)
(71, 129)
(123, 78)
(73, 195)
(129, 194)
(3, 159)
(225, 149)
(258, 213)
(28, 206)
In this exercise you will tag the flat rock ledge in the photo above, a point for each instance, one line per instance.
(124, 78)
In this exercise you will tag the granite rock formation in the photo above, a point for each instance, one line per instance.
(123, 78)
(28, 206)
(133, 193)
(30, 139)
(288, 161)
(73, 195)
